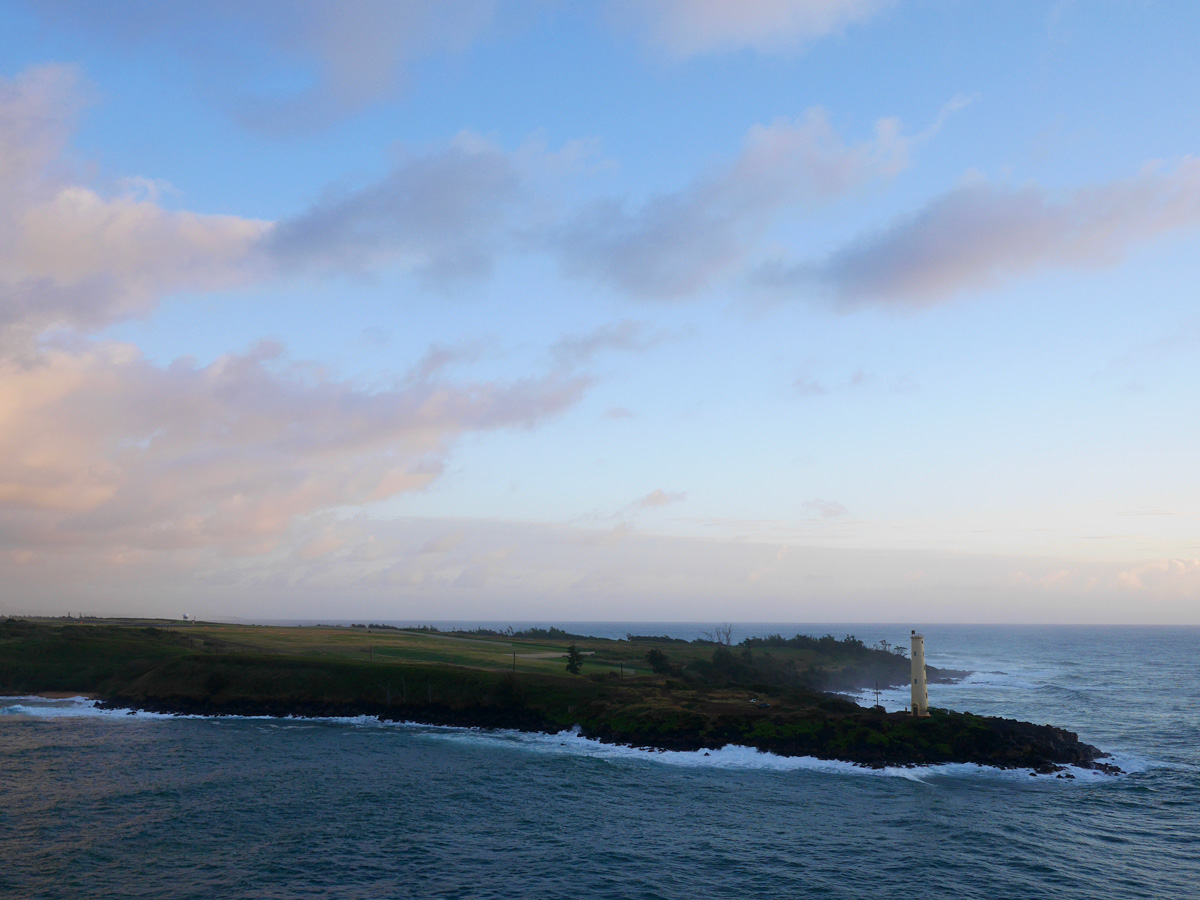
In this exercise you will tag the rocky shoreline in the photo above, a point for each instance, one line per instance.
(695, 698)
(866, 737)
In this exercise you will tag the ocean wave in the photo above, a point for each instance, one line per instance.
(72, 707)
(1071, 693)
(572, 743)
(944, 694)
(78, 698)
(1135, 764)
(736, 757)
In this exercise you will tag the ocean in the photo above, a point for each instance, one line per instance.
(107, 804)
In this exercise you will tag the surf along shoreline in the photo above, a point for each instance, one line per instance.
(703, 696)
(906, 742)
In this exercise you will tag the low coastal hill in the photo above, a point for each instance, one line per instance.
(649, 691)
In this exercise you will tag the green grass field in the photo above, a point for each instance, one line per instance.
(387, 646)
(703, 695)
(384, 646)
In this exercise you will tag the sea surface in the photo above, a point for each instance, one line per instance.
(115, 805)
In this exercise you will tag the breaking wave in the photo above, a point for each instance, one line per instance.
(572, 743)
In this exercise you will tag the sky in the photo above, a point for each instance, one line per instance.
(679, 310)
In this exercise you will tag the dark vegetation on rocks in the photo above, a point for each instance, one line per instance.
(767, 693)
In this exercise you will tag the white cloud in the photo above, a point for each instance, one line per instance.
(444, 543)
(676, 243)
(628, 336)
(826, 509)
(72, 258)
(658, 498)
(444, 213)
(1172, 577)
(37, 110)
(980, 235)
(808, 385)
(346, 54)
(100, 448)
(381, 569)
(287, 67)
(686, 28)
(102, 451)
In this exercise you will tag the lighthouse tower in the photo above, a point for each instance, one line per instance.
(920, 690)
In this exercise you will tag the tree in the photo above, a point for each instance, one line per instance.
(722, 660)
(722, 634)
(574, 660)
(659, 663)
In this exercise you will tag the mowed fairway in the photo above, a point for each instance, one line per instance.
(536, 652)
(384, 645)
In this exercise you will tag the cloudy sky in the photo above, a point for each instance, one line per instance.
(798, 310)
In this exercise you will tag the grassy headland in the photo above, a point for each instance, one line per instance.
(646, 691)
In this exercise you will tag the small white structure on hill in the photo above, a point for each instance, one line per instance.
(920, 690)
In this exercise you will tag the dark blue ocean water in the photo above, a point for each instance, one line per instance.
(110, 805)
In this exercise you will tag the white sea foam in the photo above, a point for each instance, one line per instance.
(43, 699)
(1003, 684)
(1025, 681)
(567, 743)
(734, 757)
(68, 707)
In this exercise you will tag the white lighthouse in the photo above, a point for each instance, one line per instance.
(920, 690)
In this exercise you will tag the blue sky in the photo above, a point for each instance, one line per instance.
(805, 310)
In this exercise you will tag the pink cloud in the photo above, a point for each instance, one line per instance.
(619, 412)
(355, 52)
(826, 509)
(980, 235)
(659, 497)
(1171, 577)
(689, 27)
(102, 448)
(626, 336)
(72, 258)
(443, 213)
(676, 243)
